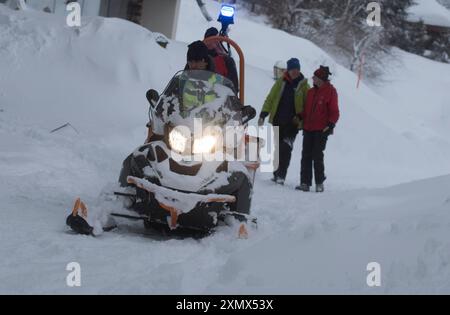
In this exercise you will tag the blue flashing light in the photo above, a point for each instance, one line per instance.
(227, 11)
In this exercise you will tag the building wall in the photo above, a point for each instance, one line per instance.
(157, 15)
(88, 7)
(114, 8)
(161, 16)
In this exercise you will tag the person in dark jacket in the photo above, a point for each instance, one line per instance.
(285, 100)
(224, 64)
(320, 115)
(198, 57)
(203, 69)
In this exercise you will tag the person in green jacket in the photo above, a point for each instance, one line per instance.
(283, 104)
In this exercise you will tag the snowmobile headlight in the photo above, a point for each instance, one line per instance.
(178, 141)
(207, 144)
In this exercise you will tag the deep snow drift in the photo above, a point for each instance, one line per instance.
(95, 78)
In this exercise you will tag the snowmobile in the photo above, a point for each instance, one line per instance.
(195, 169)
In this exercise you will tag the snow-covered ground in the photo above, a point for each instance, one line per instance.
(388, 197)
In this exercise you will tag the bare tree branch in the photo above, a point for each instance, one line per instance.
(205, 12)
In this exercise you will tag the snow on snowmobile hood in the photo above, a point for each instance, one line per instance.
(197, 94)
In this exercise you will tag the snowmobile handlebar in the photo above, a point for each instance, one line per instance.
(241, 62)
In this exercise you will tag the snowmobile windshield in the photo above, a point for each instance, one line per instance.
(203, 88)
(200, 94)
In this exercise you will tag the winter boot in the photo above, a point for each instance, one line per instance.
(320, 188)
(303, 187)
(280, 181)
(77, 220)
(79, 225)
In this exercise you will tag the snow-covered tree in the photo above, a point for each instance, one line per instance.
(445, 3)
(204, 11)
(341, 28)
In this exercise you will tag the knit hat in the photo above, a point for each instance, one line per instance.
(197, 51)
(293, 63)
(323, 73)
(212, 31)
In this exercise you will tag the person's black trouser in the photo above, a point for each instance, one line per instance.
(314, 144)
(287, 135)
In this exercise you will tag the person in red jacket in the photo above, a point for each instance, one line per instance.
(224, 64)
(320, 115)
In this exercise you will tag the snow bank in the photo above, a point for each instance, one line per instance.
(94, 77)
(316, 250)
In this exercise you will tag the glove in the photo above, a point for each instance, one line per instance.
(296, 121)
(248, 113)
(262, 117)
(329, 130)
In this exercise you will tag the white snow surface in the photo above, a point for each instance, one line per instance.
(387, 199)
(431, 12)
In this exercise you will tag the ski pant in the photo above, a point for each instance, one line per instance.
(314, 144)
(284, 146)
(238, 185)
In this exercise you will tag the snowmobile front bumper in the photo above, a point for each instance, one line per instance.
(174, 207)
(186, 210)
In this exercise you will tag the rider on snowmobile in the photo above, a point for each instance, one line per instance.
(198, 57)
(189, 94)
(200, 68)
(199, 60)
(183, 193)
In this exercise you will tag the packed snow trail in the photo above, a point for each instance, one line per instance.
(305, 243)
